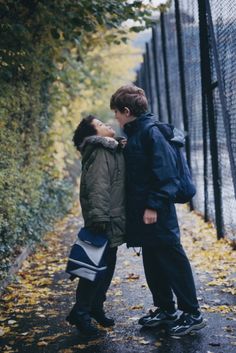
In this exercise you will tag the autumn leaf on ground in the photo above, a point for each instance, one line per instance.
(116, 280)
(136, 307)
(42, 343)
(144, 342)
(158, 344)
(39, 303)
(132, 276)
(118, 293)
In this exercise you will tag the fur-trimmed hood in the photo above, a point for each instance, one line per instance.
(107, 142)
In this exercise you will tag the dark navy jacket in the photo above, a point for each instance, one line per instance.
(151, 182)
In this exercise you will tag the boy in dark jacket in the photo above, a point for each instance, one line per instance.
(151, 185)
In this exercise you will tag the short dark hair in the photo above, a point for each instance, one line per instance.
(132, 97)
(84, 129)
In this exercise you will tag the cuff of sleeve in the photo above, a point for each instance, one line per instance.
(155, 205)
(94, 219)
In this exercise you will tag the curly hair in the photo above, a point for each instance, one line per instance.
(83, 130)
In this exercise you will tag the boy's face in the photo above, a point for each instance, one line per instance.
(122, 118)
(103, 129)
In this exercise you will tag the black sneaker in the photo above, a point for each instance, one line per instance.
(187, 323)
(101, 318)
(157, 317)
(83, 323)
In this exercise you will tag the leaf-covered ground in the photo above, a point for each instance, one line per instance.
(34, 307)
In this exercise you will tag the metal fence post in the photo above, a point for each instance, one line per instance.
(142, 78)
(149, 77)
(182, 84)
(164, 50)
(205, 154)
(156, 76)
(145, 76)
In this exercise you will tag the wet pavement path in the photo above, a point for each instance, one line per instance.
(34, 307)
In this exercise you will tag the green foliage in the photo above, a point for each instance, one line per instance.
(39, 29)
(29, 188)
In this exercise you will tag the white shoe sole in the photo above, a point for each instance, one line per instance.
(190, 329)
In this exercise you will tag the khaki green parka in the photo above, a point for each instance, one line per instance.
(102, 186)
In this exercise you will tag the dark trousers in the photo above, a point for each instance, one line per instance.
(167, 270)
(91, 295)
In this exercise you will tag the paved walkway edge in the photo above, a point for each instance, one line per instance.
(26, 251)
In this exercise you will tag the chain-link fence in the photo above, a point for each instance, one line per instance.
(189, 75)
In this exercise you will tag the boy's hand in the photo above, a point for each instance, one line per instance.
(150, 216)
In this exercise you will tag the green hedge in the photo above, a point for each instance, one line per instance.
(32, 195)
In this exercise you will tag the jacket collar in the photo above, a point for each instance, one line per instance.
(131, 127)
(107, 142)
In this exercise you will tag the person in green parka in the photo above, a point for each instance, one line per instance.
(102, 198)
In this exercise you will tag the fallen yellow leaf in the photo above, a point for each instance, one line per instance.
(144, 342)
(158, 344)
(118, 293)
(42, 343)
(136, 307)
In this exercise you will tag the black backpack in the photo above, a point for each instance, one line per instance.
(176, 139)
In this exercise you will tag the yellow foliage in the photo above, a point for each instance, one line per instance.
(117, 65)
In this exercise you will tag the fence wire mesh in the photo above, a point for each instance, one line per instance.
(169, 103)
(224, 22)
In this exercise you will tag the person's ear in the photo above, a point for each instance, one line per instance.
(127, 112)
